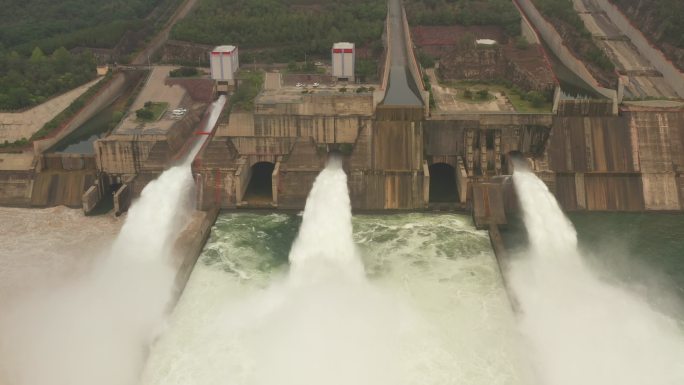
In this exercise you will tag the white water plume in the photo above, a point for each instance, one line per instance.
(324, 248)
(583, 330)
(96, 329)
(324, 324)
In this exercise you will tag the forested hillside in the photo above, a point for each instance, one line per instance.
(662, 21)
(35, 36)
(284, 30)
(501, 13)
(50, 24)
(27, 81)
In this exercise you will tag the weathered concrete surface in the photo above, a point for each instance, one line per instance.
(17, 125)
(148, 148)
(672, 76)
(103, 98)
(61, 179)
(633, 162)
(641, 75)
(17, 161)
(92, 197)
(189, 245)
(122, 199)
(16, 187)
(660, 145)
(488, 204)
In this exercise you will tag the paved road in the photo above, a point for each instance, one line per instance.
(399, 91)
(163, 35)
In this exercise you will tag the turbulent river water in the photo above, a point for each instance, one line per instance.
(584, 328)
(327, 297)
(430, 307)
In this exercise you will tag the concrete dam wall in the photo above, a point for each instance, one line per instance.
(631, 162)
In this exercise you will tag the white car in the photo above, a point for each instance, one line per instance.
(316, 84)
(178, 113)
(300, 85)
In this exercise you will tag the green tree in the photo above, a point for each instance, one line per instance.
(144, 114)
(37, 55)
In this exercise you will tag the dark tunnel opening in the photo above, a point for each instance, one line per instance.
(260, 184)
(443, 183)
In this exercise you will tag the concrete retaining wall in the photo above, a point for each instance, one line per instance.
(672, 75)
(103, 98)
(122, 199)
(462, 183)
(414, 68)
(554, 41)
(16, 188)
(189, 246)
(626, 163)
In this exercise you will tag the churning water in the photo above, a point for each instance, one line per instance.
(581, 329)
(96, 330)
(424, 305)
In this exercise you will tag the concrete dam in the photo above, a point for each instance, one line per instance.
(594, 154)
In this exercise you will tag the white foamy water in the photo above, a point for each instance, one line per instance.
(434, 311)
(583, 330)
(95, 329)
(324, 248)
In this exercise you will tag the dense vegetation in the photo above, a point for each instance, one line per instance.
(248, 88)
(27, 81)
(50, 24)
(35, 36)
(184, 72)
(563, 16)
(284, 30)
(465, 12)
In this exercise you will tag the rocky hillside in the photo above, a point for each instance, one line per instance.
(661, 22)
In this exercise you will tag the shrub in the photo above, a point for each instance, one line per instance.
(144, 114)
(483, 94)
(535, 98)
(467, 93)
(183, 72)
(426, 60)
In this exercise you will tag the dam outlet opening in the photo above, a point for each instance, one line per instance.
(260, 187)
(443, 183)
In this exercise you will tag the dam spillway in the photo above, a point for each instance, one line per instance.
(402, 89)
(582, 327)
(107, 316)
(367, 300)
